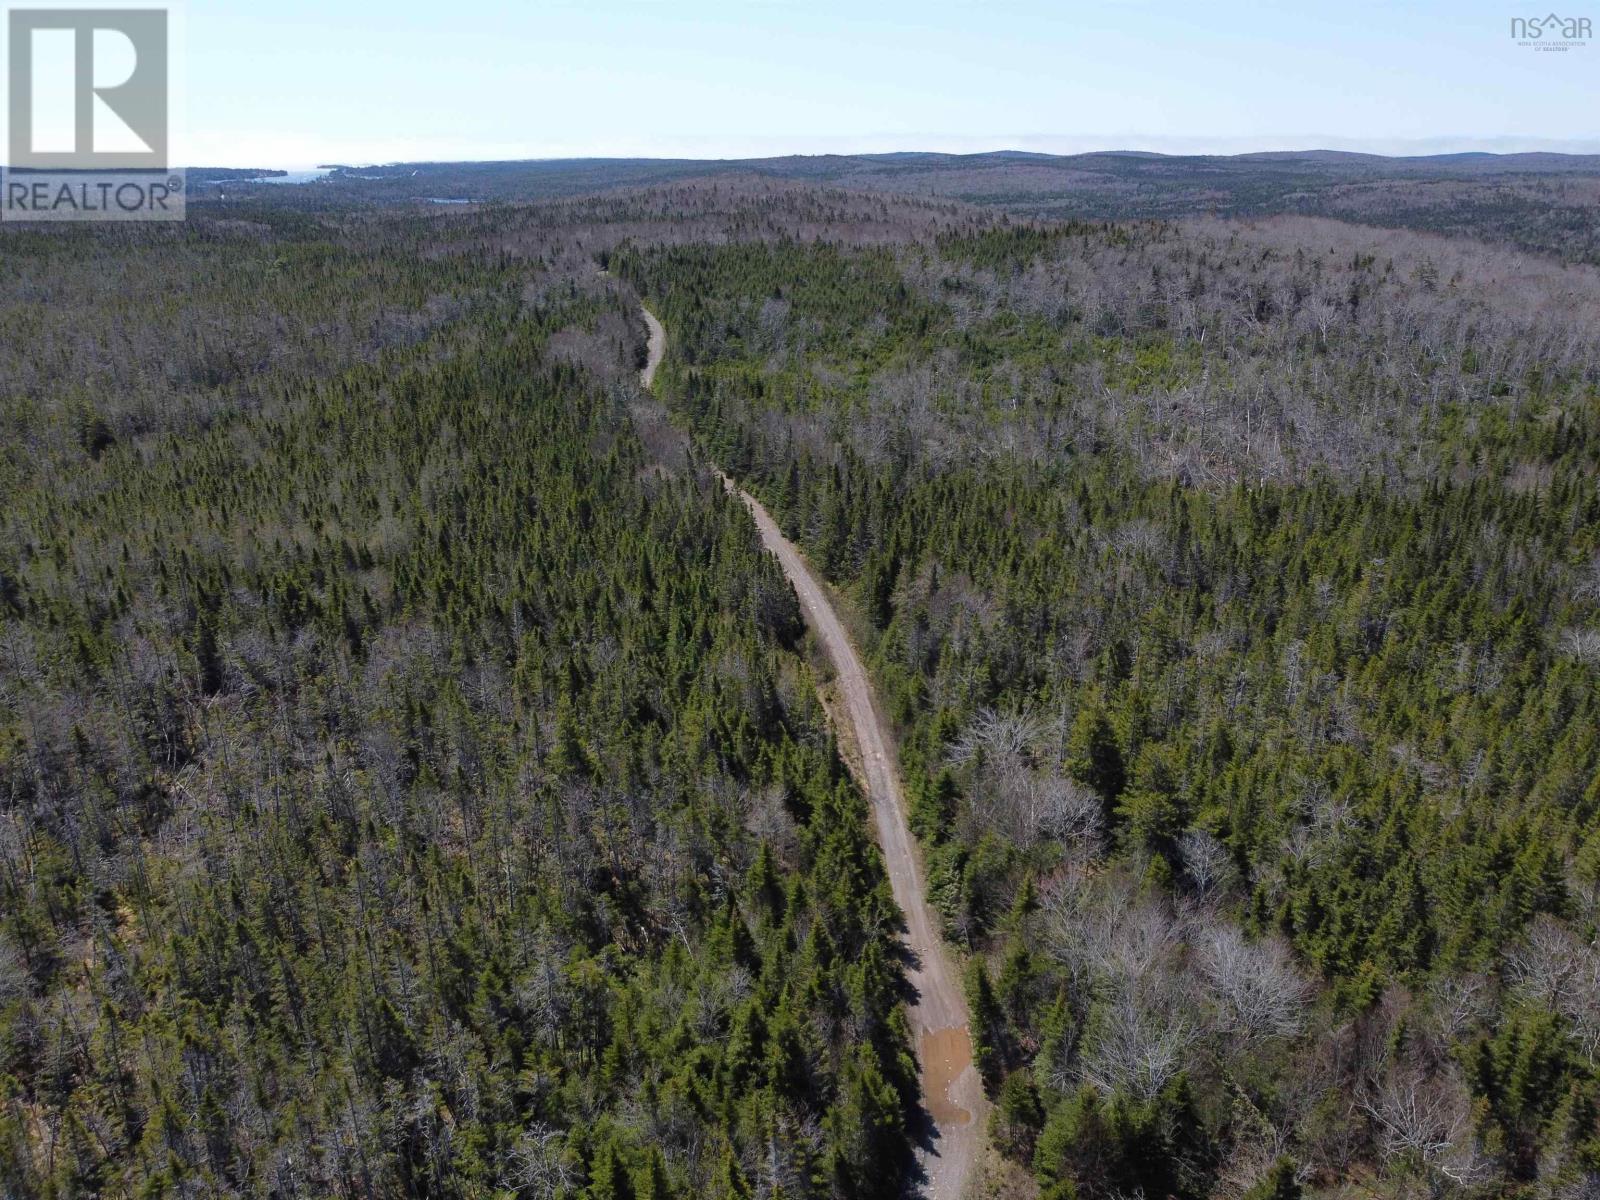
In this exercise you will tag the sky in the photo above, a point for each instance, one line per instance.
(290, 83)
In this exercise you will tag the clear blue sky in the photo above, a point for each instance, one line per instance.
(291, 82)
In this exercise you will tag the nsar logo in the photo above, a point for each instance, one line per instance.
(1551, 32)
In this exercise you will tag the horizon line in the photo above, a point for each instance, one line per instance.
(284, 154)
(1112, 149)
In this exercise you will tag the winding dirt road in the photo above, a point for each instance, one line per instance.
(951, 1088)
(656, 348)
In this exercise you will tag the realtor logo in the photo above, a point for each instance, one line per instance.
(88, 116)
(88, 88)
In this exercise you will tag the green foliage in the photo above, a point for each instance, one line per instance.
(1158, 513)
(408, 784)
(988, 1023)
(382, 736)
(1093, 757)
(1019, 1115)
(1107, 1148)
(1279, 1183)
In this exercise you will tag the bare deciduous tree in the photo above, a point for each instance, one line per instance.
(999, 738)
(1582, 644)
(1206, 863)
(1461, 1002)
(14, 978)
(1256, 986)
(1136, 1048)
(1427, 1115)
(541, 1164)
(1067, 811)
(1557, 968)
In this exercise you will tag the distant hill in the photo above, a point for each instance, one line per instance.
(1541, 201)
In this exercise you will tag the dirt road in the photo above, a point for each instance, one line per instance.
(951, 1088)
(657, 347)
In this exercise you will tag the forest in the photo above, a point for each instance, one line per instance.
(1538, 201)
(1236, 591)
(413, 780)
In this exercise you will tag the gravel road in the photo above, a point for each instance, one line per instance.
(951, 1089)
